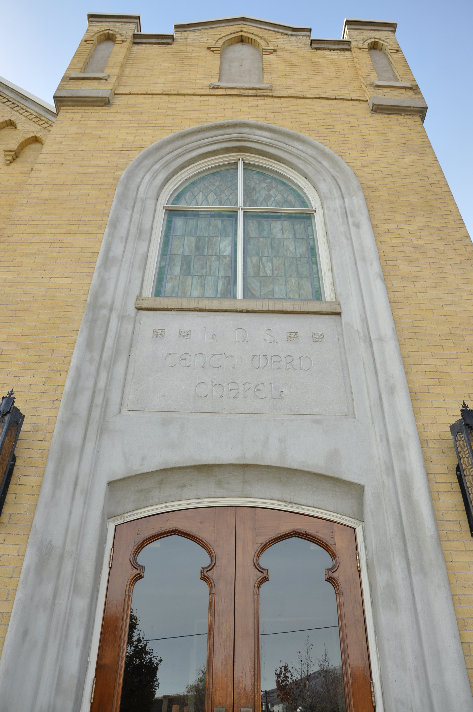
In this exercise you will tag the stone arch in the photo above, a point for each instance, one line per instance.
(12, 154)
(243, 36)
(129, 497)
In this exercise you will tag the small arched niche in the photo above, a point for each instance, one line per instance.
(98, 60)
(381, 62)
(7, 124)
(26, 151)
(241, 63)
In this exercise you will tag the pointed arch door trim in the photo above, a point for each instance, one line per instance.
(356, 525)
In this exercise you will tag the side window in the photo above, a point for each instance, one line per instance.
(239, 231)
(100, 56)
(382, 63)
(241, 63)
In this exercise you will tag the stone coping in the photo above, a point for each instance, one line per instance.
(150, 38)
(371, 25)
(397, 105)
(242, 20)
(111, 17)
(31, 101)
(83, 97)
(274, 306)
(331, 44)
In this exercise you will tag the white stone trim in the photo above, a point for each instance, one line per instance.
(111, 18)
(397, 105)
(330, 44)
(222, 85)
(83, 97)
(208, 164)
(233, 502)
(370, 629)
(370, 25)
(394, 84)
(88, 75)
(152, 38)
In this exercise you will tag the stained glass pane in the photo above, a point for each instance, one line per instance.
(198, 255)
(264, 190)
(166, 656)
(301, 665)
(218, 188)
(280, 257)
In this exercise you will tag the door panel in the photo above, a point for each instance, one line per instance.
(300, 655)
(269, 526)
(258, 529)
(212, 528)
(235, 539)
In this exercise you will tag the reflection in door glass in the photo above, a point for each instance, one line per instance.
(166, 655)
(299, 640)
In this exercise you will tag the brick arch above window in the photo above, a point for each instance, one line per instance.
(12, 154)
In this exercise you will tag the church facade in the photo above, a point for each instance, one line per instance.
(234, 314)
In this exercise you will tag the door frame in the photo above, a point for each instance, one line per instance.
(356, 524)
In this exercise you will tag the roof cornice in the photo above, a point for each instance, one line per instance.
(371, 25)
(31, 101)
(111, 17)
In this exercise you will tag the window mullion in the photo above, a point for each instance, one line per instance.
(239, 275)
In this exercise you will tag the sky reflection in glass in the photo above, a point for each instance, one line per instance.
(297, 598)
(170, 601)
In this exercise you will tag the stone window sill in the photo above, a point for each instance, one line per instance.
(268, 306)
(399, 85)
(88, 75)
(219, 85)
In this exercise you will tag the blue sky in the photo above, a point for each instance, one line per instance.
(39, 39)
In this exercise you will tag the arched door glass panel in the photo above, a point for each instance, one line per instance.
(166, 655)
(301, 665)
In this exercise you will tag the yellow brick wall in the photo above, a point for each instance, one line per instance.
(22, 134)
(50, 250)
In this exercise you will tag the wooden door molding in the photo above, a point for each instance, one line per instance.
(235, 538)
(214, 530)
(261, 529)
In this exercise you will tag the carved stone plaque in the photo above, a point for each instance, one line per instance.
(238, 363)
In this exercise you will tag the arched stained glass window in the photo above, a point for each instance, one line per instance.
(239, 231)
(216, 188)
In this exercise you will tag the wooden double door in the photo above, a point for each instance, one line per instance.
(280, 623)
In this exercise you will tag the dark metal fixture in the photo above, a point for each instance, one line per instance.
(462, 434)
(11, 420)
